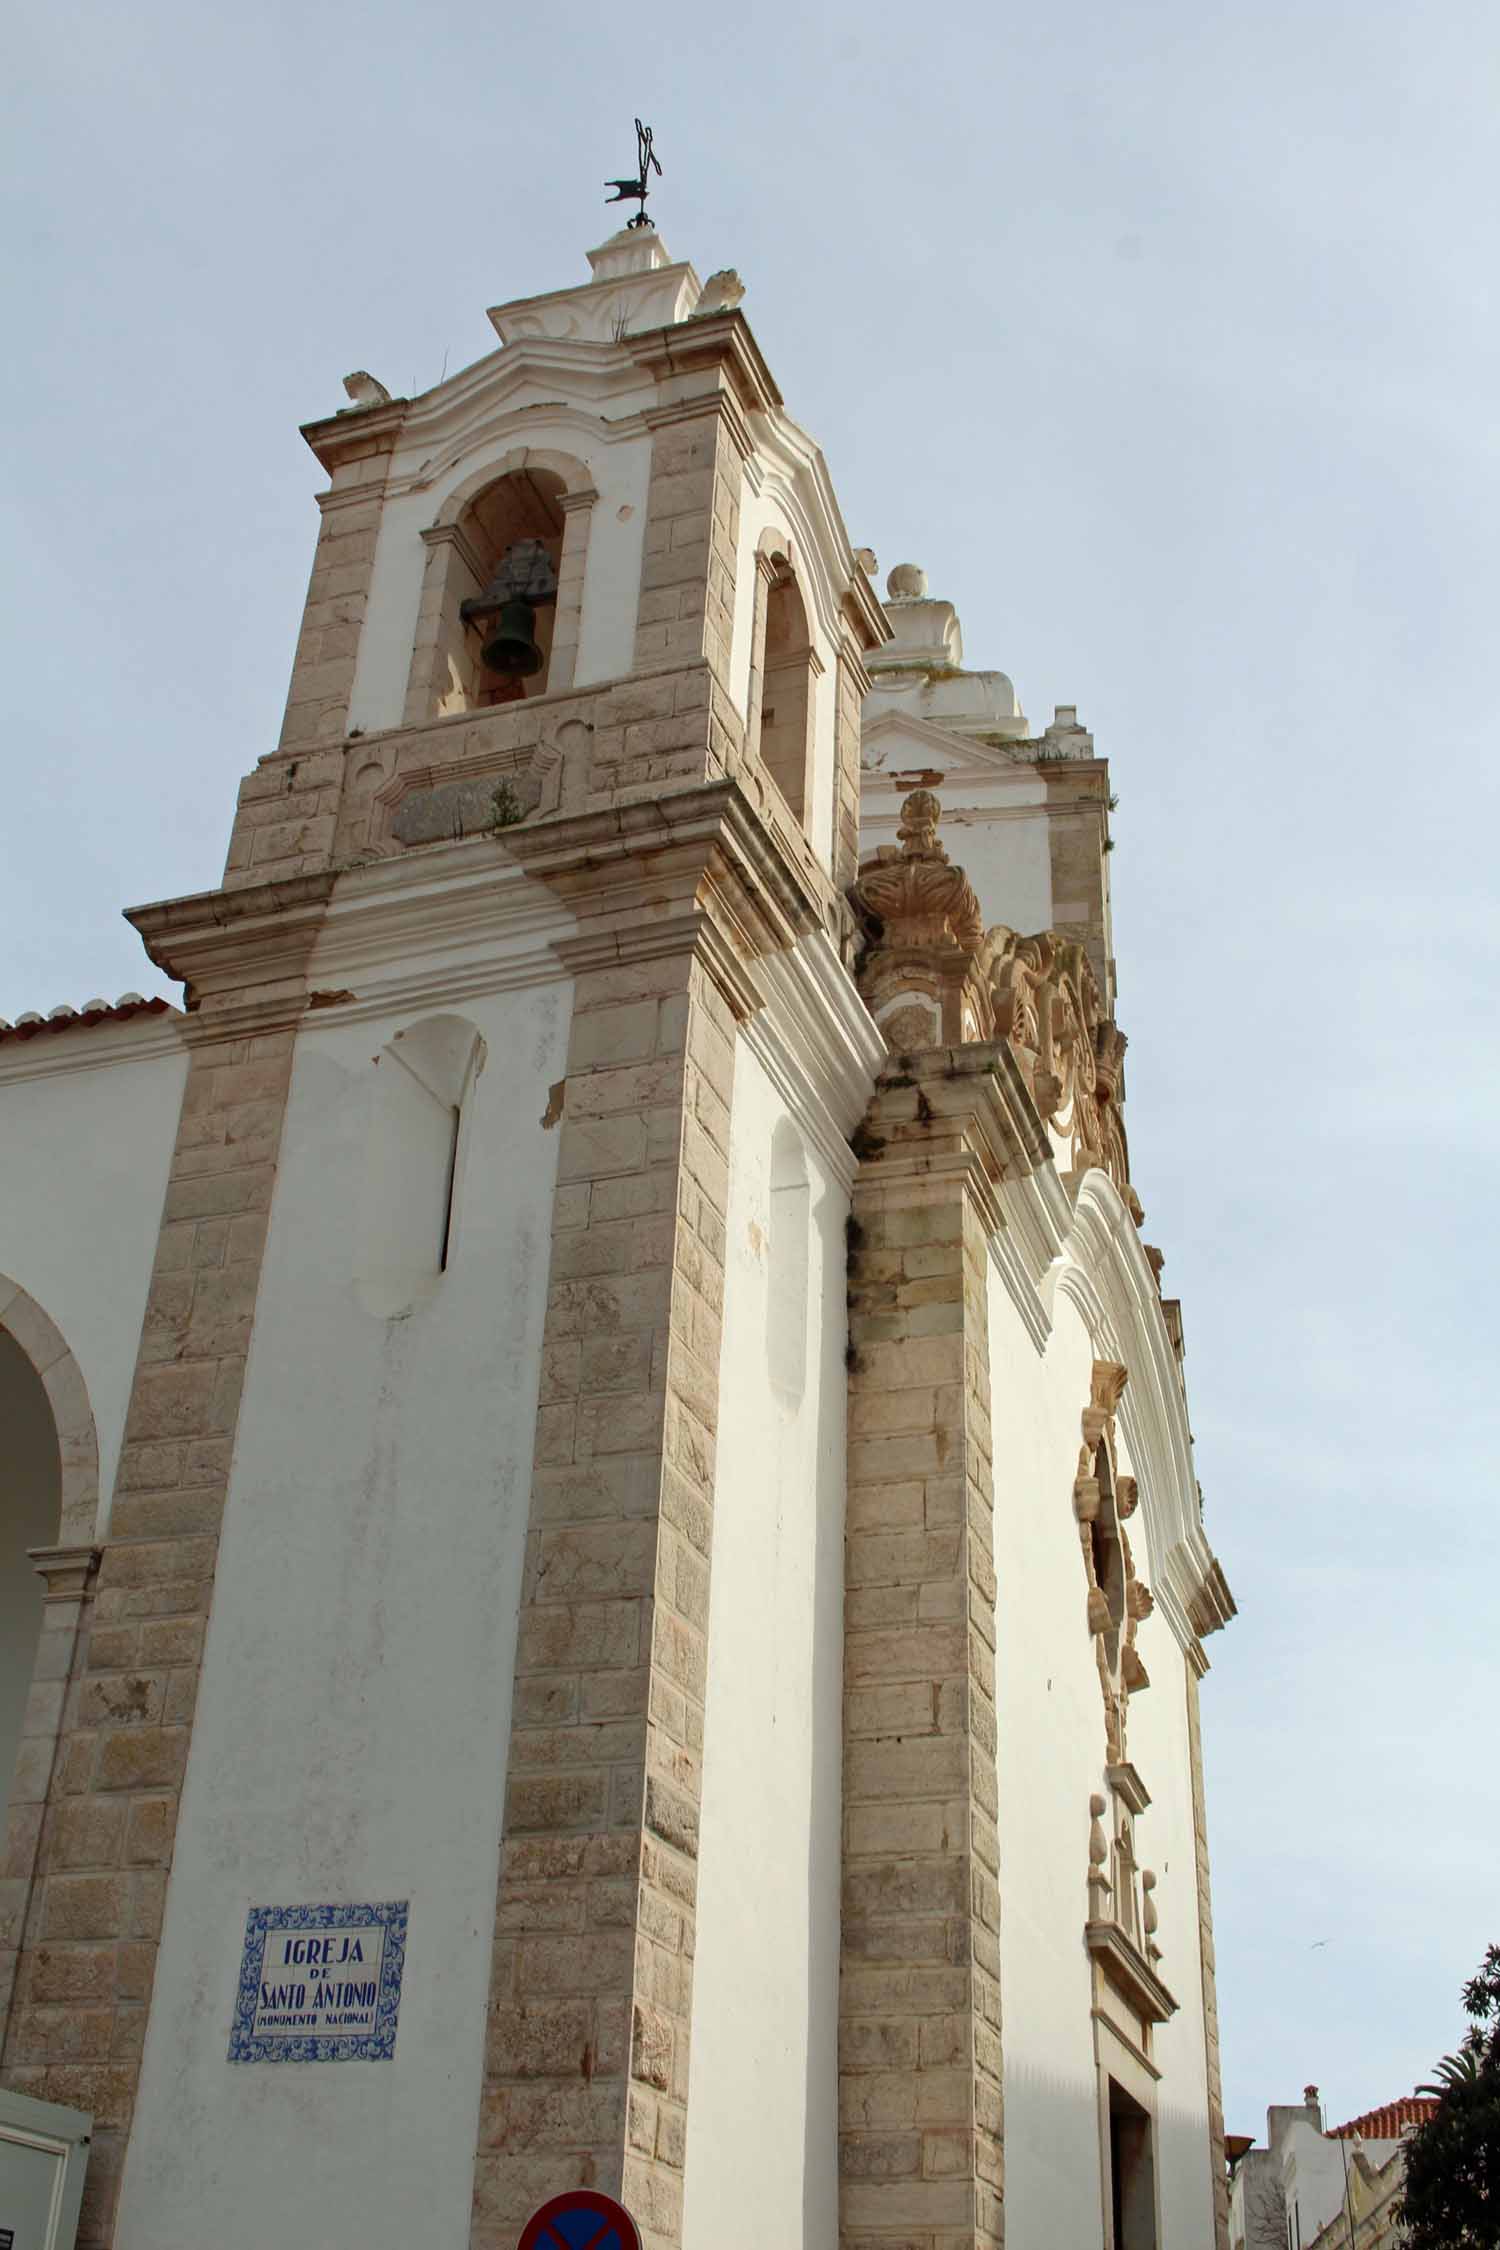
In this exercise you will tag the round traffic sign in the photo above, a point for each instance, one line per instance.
(583, 2219)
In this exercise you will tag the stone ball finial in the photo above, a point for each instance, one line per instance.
(907, 583)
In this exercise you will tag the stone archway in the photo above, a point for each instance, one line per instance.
(49, 1500)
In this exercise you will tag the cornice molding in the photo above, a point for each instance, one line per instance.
(947, 1115)
(355, 433)
(68, 1572)
(1129, 1971)
(102, 1046)
(437, 925)
(722, 343)
(814, 1039)
(240, 955)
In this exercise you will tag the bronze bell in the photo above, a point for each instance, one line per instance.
(513, 649)
(523, 579)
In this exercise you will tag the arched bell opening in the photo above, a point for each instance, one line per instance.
(31, 1492)
(786, 686)
(514, 531)
(489, 615)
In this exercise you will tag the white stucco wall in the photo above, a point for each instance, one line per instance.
(1160, 1750)
(762, 2109)
(619, 469)
(994, 829)
(88, 1119)
(352, 1723)
(1050, 1757)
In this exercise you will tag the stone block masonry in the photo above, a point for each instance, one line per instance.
(1218, 2168)
(92, 1914)
(920, 2097)
(586, 2064)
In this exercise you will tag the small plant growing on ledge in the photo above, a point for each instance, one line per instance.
(505, 807)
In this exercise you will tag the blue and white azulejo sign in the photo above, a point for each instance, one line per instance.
(319, 1983)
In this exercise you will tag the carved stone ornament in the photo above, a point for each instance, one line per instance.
(919, 977)
(1047, 1003)
(1117, 1601)
(933, 976)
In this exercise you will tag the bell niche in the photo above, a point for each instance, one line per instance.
(490, 622)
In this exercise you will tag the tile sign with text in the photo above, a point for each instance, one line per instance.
(319, 1983)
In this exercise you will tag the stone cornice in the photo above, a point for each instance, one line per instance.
(432, 927)
(68, 1572)
(1129, 1971)
(720, 343)
(350, 436)
(239, 954)
(950, 1114)
(622, 869)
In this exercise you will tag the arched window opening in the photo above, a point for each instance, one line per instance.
(30, 1506)
(501, 592)
(786, 1298)
(787, 672)
(414, 1161)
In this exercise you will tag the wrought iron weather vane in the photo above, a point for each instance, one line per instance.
(639, 188)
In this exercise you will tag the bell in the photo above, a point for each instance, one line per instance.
(513, 649)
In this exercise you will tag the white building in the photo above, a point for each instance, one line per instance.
(1333, 2188)
(608, 1473)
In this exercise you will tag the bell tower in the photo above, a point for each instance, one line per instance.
(615, 494)
(536, 908)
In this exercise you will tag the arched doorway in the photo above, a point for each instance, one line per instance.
(30, 1510)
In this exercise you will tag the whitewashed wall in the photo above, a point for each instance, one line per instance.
(762, 2106)
(355, 1703)
(1160, 1750)
(88, 1119)
(1050, 1757)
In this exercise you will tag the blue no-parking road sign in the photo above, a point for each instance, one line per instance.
(583, 2219)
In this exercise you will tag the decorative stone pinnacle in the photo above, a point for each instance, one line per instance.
(907, 583)
(920, 814)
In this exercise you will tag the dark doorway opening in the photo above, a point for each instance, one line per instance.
(1132, 2172)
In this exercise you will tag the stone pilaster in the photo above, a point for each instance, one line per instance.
(68, 1573)
(88, 1948)
(851, 688)
(686, 610)
(586, 2069)
(1206, 1956)
(288, 808)
(709, 377)
(578, 516)
(921, 2117)
(356, 450)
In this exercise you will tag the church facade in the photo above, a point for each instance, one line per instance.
(603, 1574)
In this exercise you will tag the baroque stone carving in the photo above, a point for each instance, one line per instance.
(1047, 1003)
(932, 975)
(1117, 1601)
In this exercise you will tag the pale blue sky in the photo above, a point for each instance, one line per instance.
(1165, 337)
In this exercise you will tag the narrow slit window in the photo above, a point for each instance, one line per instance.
(414, 1161)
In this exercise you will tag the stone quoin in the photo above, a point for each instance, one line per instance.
(597, 1382)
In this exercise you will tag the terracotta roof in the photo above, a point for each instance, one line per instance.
(93, 1011)
(1390, 2121)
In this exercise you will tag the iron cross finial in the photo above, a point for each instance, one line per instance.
(639, 188)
